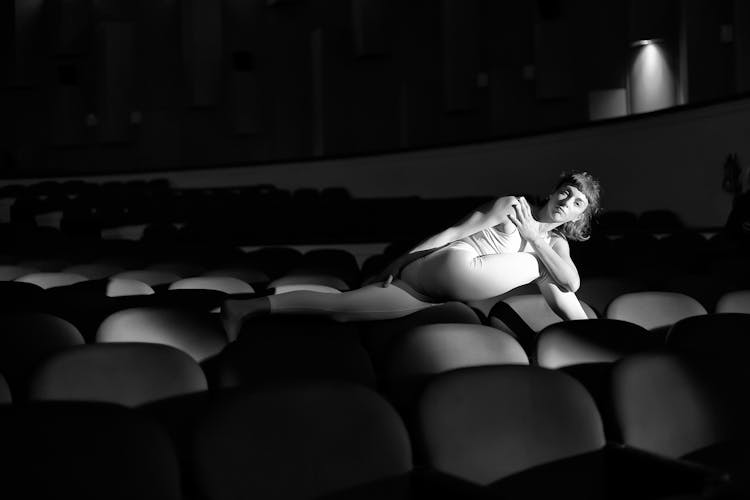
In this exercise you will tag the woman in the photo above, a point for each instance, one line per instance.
(500, 246)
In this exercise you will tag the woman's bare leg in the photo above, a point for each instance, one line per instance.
(371, 302)
(459, 273)
(448, 274)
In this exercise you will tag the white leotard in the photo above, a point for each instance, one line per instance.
(492, 241)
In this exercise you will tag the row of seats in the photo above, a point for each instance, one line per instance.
(396, 356)
(710, 293)
(186, 318)
(506, 430)
(258, 266)
(340, 269)
(140, 202)
(165, 356)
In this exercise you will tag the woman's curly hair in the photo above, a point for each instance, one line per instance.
(578, 230)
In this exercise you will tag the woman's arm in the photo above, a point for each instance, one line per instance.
(489, 214)
(556, 259)
(554, 256)
(564, 304)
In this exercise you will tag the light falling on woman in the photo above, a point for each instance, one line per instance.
(503, 244)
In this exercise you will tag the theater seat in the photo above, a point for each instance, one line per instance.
(282, 347)
(719, 335)
(378, 335)
(151, 277)
(599, 291)
(224, 284)
(527, 432)
(690, 408)
(524, 316)
(306, 280)
(299, 440)
(183, 269)
(85, 451)
(249, 275)
(655, 311)
(130, 374)
(11, 272)
(590, 341)
(51, 279)
(417, 355)
(123, 287)
(196, 333)
(27, 339)
(94, 271)
(487, 423)
(737, 301)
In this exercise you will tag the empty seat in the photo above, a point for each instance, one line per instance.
(151, 277)
(419, 354)
(531, 432)
(378, 335)
(224, 284)
(653, 310)
(332, 261)
(303, 440)
(130, 374)
(274, 261)
(705, 287)
(533, 310)
(11, 272)
(487, 423)
(684, 408)
(129, 261)
(85, 451)
(590, 341)
(26, 340)
(194, 332)
(486, 305)
(306, 280)
(249, 275)
(51, 279)
(123, 287)
(280, 347)
(737, 301)
(94, 271)
(599, 291)
(524, 316)
(719, 335)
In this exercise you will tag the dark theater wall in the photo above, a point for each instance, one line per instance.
(672, 160)
(108, 86)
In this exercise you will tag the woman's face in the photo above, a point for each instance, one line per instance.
(566, 204)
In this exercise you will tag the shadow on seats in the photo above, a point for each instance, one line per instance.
(280, 347)
(85, 451)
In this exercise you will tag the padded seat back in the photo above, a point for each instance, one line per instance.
(303, 440)
(130, 374)
(483, 424)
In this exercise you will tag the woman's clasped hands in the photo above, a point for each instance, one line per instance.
(522, 217)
